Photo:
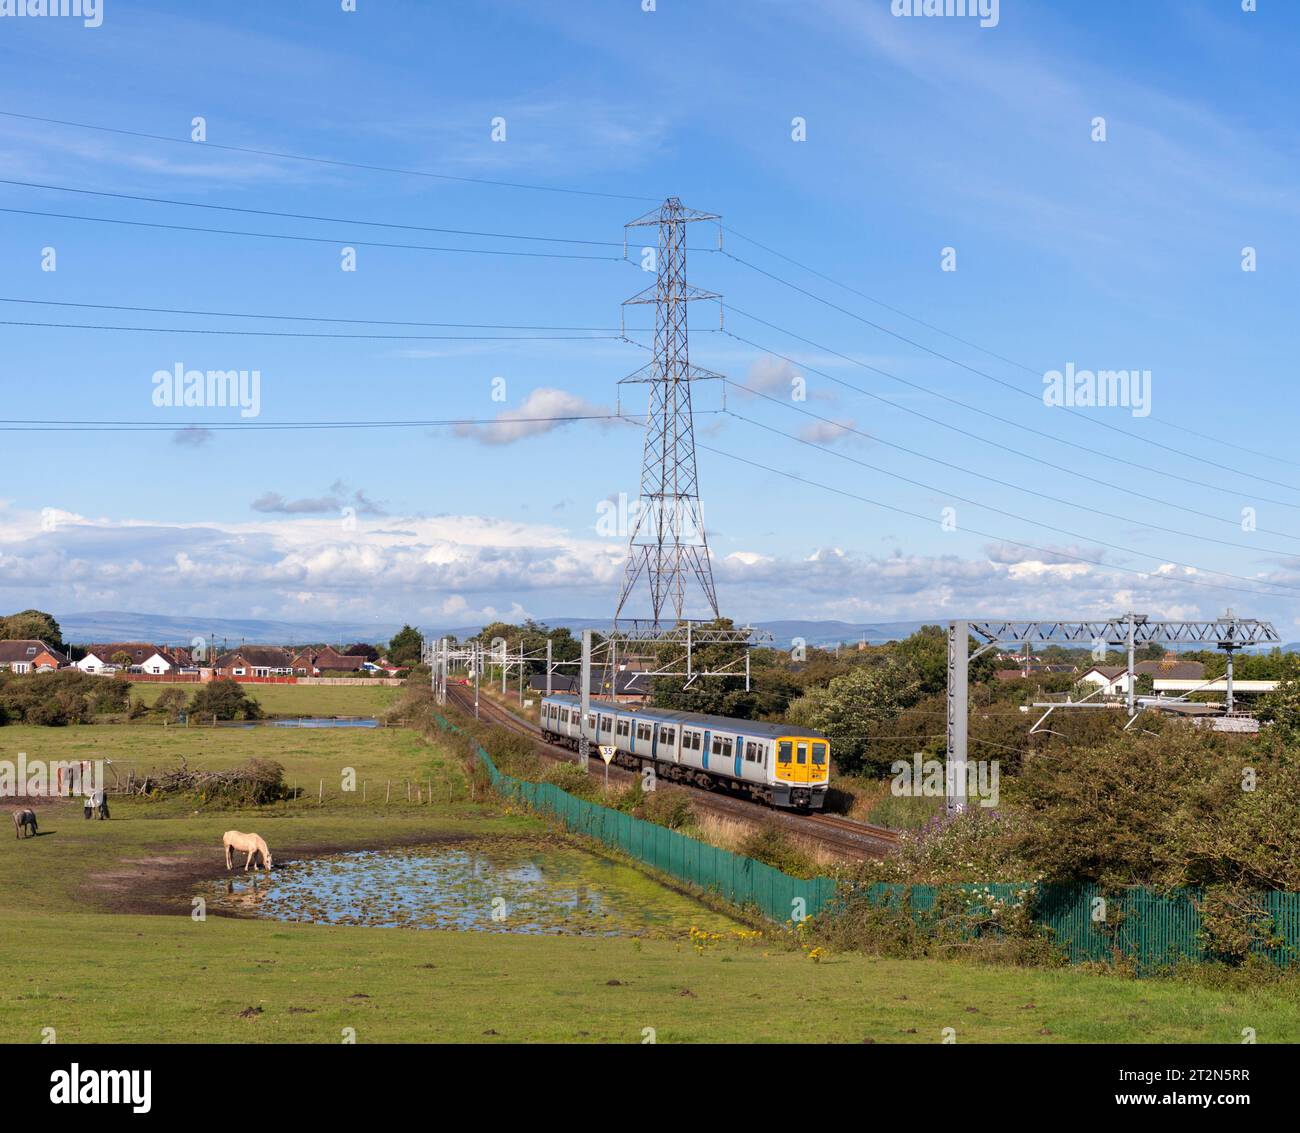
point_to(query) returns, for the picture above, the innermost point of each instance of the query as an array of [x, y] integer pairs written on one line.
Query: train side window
[[623, 726], [818, 754], [666, 736], [783, 751], [801, 754], [751, 753], [606, 723]]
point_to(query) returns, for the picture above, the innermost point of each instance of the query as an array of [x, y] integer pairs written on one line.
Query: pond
[[506, 885]]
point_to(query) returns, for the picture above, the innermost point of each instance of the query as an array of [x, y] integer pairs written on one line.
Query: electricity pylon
[[667, 544]]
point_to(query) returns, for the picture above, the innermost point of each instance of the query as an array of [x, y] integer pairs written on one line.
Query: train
[[779, 764]]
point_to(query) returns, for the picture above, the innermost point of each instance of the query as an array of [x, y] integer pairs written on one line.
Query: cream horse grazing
[[246, 843]]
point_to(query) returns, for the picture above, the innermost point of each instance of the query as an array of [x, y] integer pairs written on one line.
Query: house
[[100, 658], [255, 661], [1113, 679], [323, 662], [30, 656]]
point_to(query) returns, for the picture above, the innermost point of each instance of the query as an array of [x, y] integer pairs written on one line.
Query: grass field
[[97, 938], [298, 700]]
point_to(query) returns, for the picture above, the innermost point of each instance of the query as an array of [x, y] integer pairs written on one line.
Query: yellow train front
[[778, 764]]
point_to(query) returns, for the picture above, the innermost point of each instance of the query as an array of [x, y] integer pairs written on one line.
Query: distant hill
[[165, 629], [114, 625]]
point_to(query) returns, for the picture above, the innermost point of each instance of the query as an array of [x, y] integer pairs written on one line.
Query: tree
[[31, 625], [225, 699], [121, 659], [361, 649], [1281, 707], [170, 704], [406, 646], [853, 706]]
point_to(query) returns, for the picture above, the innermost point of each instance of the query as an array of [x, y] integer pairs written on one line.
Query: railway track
[[841, 835]]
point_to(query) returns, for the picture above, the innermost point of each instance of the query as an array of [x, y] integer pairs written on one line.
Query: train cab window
[[623, 726], [801, 753], [819, 755], [667, 735], [783, 751]]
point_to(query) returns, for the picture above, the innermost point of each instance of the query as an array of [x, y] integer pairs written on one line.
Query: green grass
[[76, 956], [113, 979], [297, 700]]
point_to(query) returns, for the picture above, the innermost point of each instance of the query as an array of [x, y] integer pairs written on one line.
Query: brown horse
[[24, 823], [246, 843]]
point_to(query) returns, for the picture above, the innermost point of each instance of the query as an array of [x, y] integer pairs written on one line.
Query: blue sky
[[921, 134]]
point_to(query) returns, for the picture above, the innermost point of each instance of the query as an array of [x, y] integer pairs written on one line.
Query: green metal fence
[[734, 877], [1149, 928]]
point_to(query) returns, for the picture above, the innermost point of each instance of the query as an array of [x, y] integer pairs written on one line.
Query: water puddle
[[511, 885]]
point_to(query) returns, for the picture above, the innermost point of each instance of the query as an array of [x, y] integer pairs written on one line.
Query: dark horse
[[24, 823]]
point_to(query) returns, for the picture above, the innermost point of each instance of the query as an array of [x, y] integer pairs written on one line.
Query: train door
[[704, 751], [740, 755], [802, 760]]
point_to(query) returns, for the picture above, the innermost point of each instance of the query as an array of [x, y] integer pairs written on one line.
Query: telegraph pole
[[584, 743]]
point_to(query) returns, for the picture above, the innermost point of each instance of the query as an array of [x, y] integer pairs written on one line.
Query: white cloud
[[536, 415]]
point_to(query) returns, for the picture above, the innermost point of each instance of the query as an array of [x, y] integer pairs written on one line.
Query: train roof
[[672, 716]]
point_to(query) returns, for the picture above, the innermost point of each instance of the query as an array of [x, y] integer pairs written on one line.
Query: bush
[[773, 847], [226, 700], [56, 699], [667, 807], [170, 704]]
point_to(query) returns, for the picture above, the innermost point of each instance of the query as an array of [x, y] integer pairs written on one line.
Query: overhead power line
[[987, 441], [335, 241], [301, 318], [339, 162], [947, 494], [309, 216], [39, 425], [1057, 554], [233, 331], [1037, 372], [875, 438], [1007, 420]]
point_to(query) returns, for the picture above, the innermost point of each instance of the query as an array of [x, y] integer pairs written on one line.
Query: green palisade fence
[[1154, 929]]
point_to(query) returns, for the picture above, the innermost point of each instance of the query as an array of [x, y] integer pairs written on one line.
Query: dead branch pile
[[255, 783]]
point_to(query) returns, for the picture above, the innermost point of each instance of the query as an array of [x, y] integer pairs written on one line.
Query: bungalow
[[321, 662], [255, 661], [105, 657], [29, 656]]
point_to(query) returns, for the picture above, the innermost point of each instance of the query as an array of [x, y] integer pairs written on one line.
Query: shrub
[[226, 700]]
